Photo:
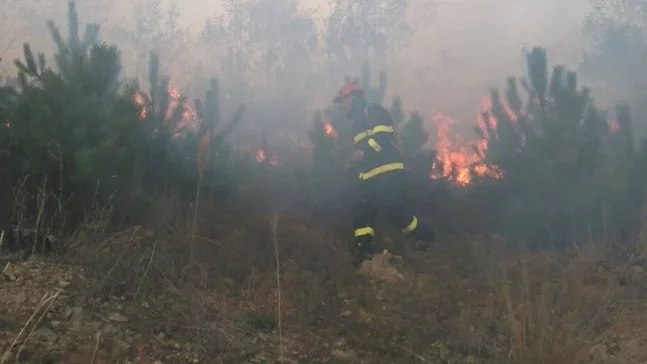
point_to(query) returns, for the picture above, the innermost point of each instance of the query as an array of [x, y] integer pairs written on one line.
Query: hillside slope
[[464, 302]]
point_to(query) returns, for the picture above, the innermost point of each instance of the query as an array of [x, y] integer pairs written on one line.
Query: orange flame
[[189, 115], [487, 105], [261, 158], [189, 118], [457, 159], [330, 130]]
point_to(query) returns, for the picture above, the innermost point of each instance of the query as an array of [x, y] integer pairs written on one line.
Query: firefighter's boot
[[362, 249]]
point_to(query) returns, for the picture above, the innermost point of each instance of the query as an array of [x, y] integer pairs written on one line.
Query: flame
[[614, 126], [330, 130], [261, 158], [454, 157], [457, 159], [487, 105], [139, 99], [189, 118], [189, 115]]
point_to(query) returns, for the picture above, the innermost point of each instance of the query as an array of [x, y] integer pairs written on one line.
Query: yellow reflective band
[[375, 145], [412, 226], [364, 231], [382, 169], [370, 132]]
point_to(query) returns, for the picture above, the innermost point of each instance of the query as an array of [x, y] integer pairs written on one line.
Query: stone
[[45, 334], [117, 317], [76, 318]]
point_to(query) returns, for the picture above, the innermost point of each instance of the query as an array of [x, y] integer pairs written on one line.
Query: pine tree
[[330, 154], [553, 143], [161, 122], [70, 126], [373, 94], [6, 95], [212, 152], [397, 112], [413, 135]]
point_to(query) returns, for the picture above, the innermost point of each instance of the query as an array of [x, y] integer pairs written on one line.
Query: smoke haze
[[456, 54]]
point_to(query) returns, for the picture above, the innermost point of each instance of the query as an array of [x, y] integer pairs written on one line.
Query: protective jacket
[[375, 142]]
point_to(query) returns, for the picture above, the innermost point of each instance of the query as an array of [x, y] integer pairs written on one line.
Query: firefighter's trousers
[[386, 192]]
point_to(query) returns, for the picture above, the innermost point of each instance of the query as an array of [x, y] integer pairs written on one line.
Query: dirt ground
[[124, 299]]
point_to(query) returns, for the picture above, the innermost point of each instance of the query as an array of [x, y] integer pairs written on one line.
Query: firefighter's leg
[[364, 212], [400, 214]]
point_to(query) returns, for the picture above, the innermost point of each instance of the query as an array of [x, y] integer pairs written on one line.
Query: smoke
[[472, 46], [457, 49]]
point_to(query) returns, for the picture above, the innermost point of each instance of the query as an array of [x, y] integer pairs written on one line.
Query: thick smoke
[[457, 49]]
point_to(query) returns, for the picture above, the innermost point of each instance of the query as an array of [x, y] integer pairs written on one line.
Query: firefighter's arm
[[396, 139], [355, 157]]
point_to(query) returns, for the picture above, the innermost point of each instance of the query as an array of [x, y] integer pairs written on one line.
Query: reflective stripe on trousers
[[412, 226], [364, 231]]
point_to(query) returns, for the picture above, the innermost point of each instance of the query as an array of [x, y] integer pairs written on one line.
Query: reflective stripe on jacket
[[374, 138]]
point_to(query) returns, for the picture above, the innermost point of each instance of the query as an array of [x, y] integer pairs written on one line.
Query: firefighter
[[379, 172]]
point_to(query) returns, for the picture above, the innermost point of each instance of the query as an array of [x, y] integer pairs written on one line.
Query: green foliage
[[564, 174], [161, 121], [213, 155], [330, 154], [77, 128], [211, 117], [71, 124], [397, 111], [172, 151], [414, 137], [6, 95]]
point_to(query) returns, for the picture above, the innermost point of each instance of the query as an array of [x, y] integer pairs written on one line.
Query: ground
[[122, 298]]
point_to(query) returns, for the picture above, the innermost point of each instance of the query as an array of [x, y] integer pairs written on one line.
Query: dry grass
[[28, 328], [275, 241], [470, 300], [467, 299]]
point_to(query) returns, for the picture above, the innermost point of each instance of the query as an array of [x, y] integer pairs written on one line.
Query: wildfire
[[457, 159], [330, 130], [486, 105], [262, 155], [189, 116], [261, 158]]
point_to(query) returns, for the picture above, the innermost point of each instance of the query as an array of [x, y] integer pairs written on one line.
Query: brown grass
[[470, 300], [28, 328]]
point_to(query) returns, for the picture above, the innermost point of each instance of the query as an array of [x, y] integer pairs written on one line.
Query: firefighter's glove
[[355, 158]]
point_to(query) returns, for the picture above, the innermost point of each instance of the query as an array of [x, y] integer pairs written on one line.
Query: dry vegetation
[[134, 296], [161, 259]]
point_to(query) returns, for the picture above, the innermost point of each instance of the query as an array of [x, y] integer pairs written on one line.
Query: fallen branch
[[96, 348], [148, 267], [416, 355], [43, 307]]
